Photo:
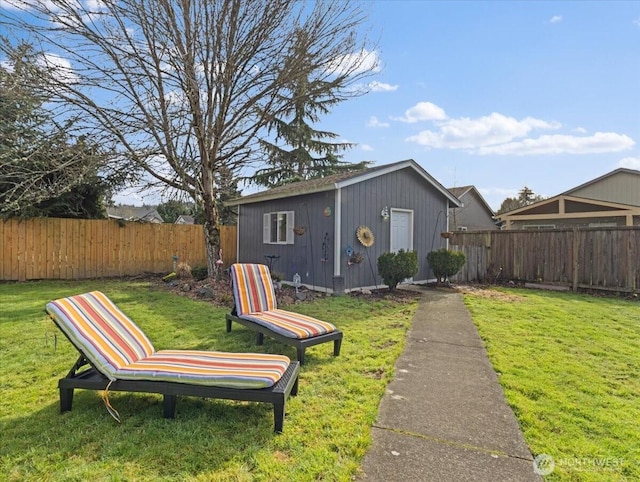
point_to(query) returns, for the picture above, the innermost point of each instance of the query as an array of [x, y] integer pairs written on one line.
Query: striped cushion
[[103, 333], [252, 288], [118, 349], [233, 370], [289, 324]]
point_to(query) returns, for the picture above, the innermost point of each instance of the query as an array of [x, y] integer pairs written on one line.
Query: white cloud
[[366, 147], [598, 143], [357, 63], [382, 87], [637, 21], [60, 68], [630, 162], [374, 122], [555, 19], [422, 111], [497, 134], [472, 134]]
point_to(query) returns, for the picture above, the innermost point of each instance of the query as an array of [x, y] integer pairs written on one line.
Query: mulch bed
[[218, 292]]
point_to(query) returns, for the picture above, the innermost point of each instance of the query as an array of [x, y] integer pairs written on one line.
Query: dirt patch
[[489, 293]]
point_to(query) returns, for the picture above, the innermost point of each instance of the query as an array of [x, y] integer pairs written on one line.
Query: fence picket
[[596, 258], [50, 248]]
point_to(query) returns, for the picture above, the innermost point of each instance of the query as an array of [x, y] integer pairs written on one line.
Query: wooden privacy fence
[[52, 248], [593, 258]]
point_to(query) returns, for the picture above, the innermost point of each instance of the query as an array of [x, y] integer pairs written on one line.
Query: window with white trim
[[603, 225], [539, 226], [277, 227]]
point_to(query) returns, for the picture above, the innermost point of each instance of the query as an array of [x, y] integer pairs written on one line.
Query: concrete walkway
[[444, 416]]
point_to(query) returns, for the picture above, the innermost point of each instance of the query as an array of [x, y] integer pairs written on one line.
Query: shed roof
[[337, 181], [461, 191]]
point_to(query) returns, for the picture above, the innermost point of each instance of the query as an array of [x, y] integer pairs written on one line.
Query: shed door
[[401, 230]]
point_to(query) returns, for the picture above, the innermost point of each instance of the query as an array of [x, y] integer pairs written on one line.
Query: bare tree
[[181, 89]]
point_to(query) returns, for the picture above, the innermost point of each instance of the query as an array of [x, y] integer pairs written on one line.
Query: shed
[[311, 228], [475, 214]]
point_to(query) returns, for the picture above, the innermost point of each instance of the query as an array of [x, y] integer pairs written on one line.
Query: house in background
[[134, 213], [607, 201], [330, 231], [185, 219], [474, 214]]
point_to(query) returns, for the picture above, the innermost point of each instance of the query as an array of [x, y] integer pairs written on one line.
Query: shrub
[[200, 273], [183, 271], [445, 263], [394, 267]]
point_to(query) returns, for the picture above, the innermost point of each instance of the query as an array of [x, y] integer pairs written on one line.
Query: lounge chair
[[121, 358], [256, 308]]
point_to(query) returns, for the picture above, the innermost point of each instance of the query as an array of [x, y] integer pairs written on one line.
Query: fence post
[[575, 259]]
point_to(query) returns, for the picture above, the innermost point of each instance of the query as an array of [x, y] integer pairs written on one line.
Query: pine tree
[[308, 153]]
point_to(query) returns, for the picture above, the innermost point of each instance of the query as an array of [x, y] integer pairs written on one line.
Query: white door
[[401, 230]]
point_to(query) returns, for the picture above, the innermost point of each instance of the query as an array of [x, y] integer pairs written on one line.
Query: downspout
[[238, 236], [447, 226], [337, 232]]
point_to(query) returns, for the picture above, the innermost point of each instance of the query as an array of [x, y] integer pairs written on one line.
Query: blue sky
[[497, 94], [501, 94]]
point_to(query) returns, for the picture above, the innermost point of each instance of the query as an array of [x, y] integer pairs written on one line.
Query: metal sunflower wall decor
[[365, 236]]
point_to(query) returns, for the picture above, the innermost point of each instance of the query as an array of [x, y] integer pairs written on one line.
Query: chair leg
[[169, 406], [228, 326], [300, 352], [66, 399], [294, 388], [260, 338], [278, 416], [336, 346]]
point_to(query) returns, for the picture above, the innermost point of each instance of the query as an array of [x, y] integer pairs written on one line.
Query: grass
[[570, 368], [327, 426]]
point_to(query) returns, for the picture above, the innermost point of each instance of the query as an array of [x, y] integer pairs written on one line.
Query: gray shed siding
[[361, 204], [473, 215], [305, 256]]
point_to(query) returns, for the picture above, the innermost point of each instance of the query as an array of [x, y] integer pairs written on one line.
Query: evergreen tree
[[43, 172], [307, 153], [525, 197], [173, 209]]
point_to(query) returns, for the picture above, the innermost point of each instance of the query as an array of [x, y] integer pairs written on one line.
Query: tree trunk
[[211, 230], [212, 239]]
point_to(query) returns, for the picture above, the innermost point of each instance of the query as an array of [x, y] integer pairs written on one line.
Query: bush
[[183, 271], [445, 263], [394, 267], [200, 273]]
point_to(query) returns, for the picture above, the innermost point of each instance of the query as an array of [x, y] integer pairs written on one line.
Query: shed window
[[277, 228]]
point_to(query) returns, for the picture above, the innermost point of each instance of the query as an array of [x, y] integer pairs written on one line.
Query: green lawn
[[570, 368], [327, 426]]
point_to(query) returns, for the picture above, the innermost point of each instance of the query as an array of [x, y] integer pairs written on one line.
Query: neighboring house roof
[[619, 186], [600, 194], [135, 213], [337, 181], [185, 219], [566, 207], [461, 192]]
